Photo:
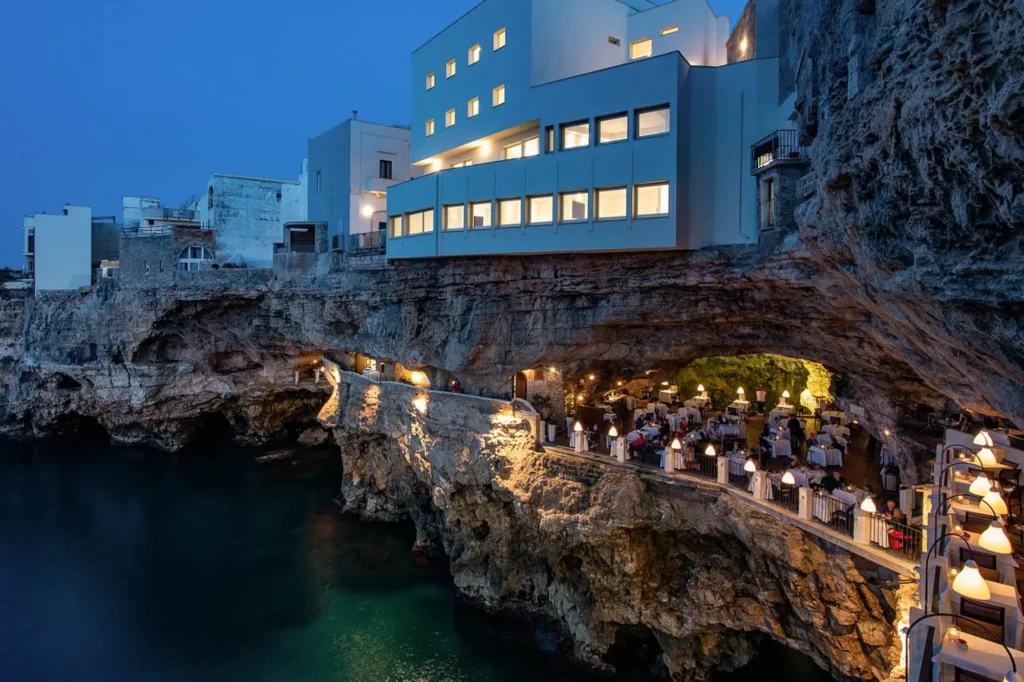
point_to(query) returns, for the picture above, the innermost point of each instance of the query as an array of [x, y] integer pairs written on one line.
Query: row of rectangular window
[[650, 200], [473, 57], [472, 109], [644, 47]]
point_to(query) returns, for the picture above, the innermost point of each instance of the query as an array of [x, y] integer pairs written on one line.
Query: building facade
[[352, 166], [63, 249], [631, 131], [28, 232]]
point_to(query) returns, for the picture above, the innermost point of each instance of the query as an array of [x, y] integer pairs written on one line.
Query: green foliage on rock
[[721, 376]]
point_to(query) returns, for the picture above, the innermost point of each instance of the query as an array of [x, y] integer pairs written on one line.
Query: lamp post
[[578, 430], [1012, 674]]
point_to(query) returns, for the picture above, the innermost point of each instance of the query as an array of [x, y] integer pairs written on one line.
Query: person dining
[[833, 482]]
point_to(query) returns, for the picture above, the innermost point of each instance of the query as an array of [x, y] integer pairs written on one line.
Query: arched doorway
[[519, 386]]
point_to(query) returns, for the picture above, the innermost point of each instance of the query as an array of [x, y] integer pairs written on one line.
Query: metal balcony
[[778, 148]]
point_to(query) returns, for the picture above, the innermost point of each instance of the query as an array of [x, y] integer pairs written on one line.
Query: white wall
[[570, 37], [131, 209], [697, 39], [247, 217], [64, 249]]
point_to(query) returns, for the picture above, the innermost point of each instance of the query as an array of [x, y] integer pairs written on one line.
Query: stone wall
[[247, 216], [151, 258], [745, 27]]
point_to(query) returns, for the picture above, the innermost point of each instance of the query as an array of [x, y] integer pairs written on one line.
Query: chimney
[[355, 114]]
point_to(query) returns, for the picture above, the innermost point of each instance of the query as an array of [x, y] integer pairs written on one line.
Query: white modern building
[[352, 166], [28, 230], [585, 125], [63, 249]]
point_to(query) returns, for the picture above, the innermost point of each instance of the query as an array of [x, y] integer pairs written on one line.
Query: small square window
[[474, 55], [455, 217], [541, 210], [651, 200], [499, 39], [430, 127], [576, 135], [449, 68], [574, 207], [449, 118], [613, 129], [430, 80], [640, 49], [473, 108], [653, 122], [611, 203], [498, 96], [480, 214], [415, 222], [510, 212], [669, 30]]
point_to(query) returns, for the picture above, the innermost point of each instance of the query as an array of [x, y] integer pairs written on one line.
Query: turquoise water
[[127, 565]]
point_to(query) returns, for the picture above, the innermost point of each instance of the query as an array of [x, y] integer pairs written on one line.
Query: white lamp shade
[[980, 486], [994, 539], [785, 394], [995, 500], [664, 383], [613, 432], [750, 467], [969, 583], [987, 458], [788, 479], [676, 445], [710, 452], [740, 390], [983, 438], [700, 388], [868, 505], [578, 427]]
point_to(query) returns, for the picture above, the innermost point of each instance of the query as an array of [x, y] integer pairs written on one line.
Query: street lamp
[[1011, 675]]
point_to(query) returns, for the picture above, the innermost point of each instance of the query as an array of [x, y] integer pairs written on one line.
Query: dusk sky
[[102, 98]]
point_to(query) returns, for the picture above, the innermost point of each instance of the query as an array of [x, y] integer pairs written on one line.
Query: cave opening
[[636, 652], [213, 428]]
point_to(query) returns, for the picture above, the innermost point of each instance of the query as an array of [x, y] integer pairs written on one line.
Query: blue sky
[[101, 98]]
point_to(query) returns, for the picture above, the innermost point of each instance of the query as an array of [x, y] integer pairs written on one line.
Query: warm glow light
[[700, 388], [664, 383], [743, 45], [419, 378], [710, 452], [987, 458], [953, 633], [868, 505], [980, 486], [578, 427], [994, 539], [887, 432], [580, 397], [613, 432], [620, 383], [367, 211], [995, 500], [676, 445], [984, 438], [485, 149], [420, 403], [785, 394], [750, 467], [970, 584], [740, 391], [591, 377], [788, 478]]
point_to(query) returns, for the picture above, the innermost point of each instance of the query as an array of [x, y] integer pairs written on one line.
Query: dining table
[[781, 447], [825, 456]]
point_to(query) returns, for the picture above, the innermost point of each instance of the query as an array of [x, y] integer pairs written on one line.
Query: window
[[574, 207], [498, 96], [611, 203], [531, 147], [455, 217], [613, 129], [189, 260], [430, 81], [614, 41], [473, 108], [669, 30], [519, 150], [474, 55], [462, 164], [449, 118], [542, 209], [576, 135], [510, 212], [430, 127], [385, 169], [549, 139], [449, 68], [499, 39], [513, 151], [420, 222], [396, 226], [480, 214], [278, 197], [639, 49], [653, 122], [770, 203], [651, 200], [317, 188]]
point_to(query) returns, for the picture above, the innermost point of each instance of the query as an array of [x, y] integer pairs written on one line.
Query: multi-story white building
[[63, 249], [585, 125], [352, 166], [28, 230]]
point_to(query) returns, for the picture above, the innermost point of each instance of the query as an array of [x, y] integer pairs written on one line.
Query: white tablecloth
[[836, 430], [690, 413], [781, 448], [825, 456], [666, 396], [698, 401], [741, 405]]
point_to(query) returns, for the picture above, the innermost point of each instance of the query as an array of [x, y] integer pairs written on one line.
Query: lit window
[[396, 226], [651, 200], [549, 139], [574, 207], [430, 80], [498, 96], [542, 209], [428, 220], [430, 127], [473, 108], [449, 69], [474, 55], [454, 217], [499, 39], [510, 212], [640, 49], [576, 135], [611, 203], [530, 147], [513, 151], [669, 30], [420, 222], [462, 164], [653, 122], [612, 129], [449, 118], [480, 214]]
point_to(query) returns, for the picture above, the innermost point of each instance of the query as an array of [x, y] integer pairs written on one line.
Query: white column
[[760, 485], [551, 433], [805, 508], [620, 445], [316, 376], [861, 526], [723, 469], [578, 441], [670, 459]]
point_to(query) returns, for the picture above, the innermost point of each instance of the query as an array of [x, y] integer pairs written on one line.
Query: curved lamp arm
[[928, 556], [955, 617]]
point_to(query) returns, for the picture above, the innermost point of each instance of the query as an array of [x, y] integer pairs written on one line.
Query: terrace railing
[[781, 146], [366, 241], [895, 536], [833, 513], [782, 494]]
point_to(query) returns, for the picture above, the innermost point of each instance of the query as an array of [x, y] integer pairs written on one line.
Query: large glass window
[[430, 80], [396, 226], [474, 55], [542, 209], [530, 147], [510, 212], [480, 214], [611, 203], [449, 68], [574, 207], [651, 200], [576, 135], [612, 129], [449, 118], [640, 49], [455, 217], [498, 96], [420, 222], [653, 122], [473, 108], [499, 39]]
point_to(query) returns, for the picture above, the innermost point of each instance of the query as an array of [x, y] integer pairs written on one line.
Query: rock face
[[607, 553]]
